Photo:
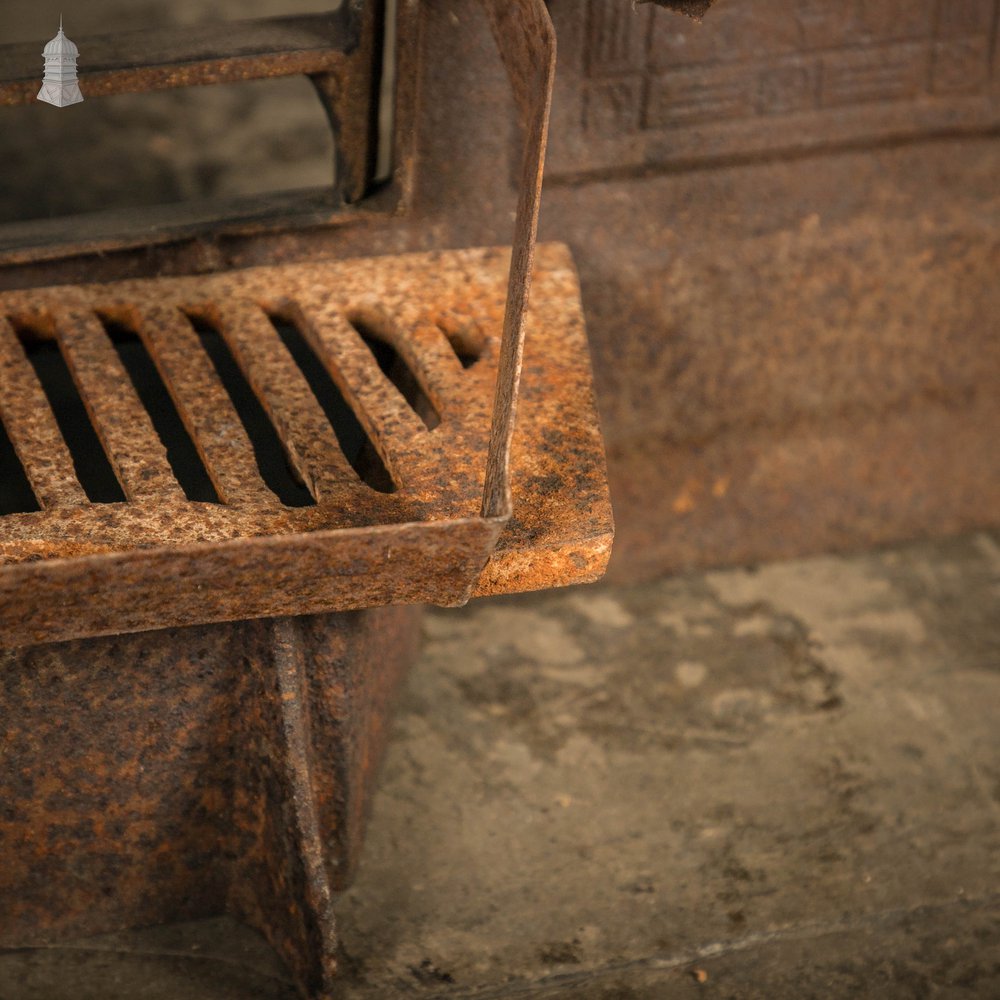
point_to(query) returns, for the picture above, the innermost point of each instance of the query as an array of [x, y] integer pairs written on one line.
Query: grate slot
[[33, 429], [354, 442], [184, 465], [16, 496], [392, 425], [93, 469], [272, 458], [203, 404], [424, 349], [396, 370], [129, 438], [467, 343], [297, 417]]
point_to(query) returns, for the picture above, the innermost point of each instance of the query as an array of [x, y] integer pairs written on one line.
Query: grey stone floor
[[781, 782]]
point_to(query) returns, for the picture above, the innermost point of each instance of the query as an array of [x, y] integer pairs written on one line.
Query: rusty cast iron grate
[[304, 437], [400, 524]]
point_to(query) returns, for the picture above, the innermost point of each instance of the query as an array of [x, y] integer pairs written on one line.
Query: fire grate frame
[[77, 568]]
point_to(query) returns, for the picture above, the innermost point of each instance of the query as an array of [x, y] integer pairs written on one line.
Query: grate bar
[[204, 404], [283, 391], [32, 428], [397, 432], [425, 349], [121, 421]]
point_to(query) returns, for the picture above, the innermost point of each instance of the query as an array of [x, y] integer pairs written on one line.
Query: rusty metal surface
[[527, 45], [124, 567], [562, 527], [155, 774], [226, 767], [76, 568], [794, 335], [642, 91], [790, 304], [349, 94], [804, 242], [183, 773]]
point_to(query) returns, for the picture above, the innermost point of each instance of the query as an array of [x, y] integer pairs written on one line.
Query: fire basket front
[[402, 524]]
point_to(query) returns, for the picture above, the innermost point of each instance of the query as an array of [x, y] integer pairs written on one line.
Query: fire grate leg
[[172, 775]]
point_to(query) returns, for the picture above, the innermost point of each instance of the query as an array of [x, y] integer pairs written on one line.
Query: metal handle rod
[[527, 44]]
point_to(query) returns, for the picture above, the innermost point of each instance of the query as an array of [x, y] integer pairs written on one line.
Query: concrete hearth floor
[[781, 782]]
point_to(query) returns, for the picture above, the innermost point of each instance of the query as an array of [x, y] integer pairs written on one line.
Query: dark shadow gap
[[398, 372], [354, 442], [276, 469], [16, 495], [386, 125], [182, 455], [93, 469], [467, 347]]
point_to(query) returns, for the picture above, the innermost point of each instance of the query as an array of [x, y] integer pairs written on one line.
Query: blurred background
[[159, 148]]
